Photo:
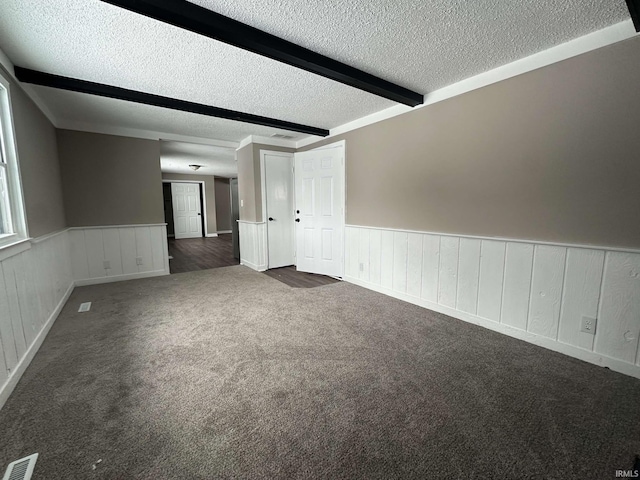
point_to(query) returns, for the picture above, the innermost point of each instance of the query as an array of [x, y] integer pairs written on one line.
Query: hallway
[[192, 254]]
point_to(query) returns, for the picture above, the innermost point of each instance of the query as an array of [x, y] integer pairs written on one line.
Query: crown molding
[[592, 41]]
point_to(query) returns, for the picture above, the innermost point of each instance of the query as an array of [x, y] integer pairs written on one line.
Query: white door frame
[[342, 144], [203, 207], [263, 188]]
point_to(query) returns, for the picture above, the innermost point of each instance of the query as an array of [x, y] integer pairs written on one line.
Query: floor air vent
[[21, 469]]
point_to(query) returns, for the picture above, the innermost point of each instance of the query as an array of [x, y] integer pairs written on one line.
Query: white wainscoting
[[537, 292], [34, 286], [253, 244], [132, 251]]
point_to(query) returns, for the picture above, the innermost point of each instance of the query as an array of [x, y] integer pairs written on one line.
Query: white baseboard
[[220, 232], [119, 278], [211, 235], [13, 380], [570, 350], [253, 266]]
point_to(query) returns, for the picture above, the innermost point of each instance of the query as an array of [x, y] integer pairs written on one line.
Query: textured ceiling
[[175, 157], [422, 45]]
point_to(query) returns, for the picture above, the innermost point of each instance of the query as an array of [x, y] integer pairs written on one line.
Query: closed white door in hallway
[[187, 210]]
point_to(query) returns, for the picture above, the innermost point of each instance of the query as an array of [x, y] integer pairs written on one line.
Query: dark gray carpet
[[228, 373]]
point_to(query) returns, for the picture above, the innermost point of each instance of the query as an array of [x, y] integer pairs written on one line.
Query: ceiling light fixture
[[195, 167]]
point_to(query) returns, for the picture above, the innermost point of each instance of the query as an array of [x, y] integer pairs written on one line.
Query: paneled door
[[187, 211], [278, 209], [320, 194]]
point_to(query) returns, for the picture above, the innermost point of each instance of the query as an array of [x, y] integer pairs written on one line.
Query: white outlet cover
[[588, 325]]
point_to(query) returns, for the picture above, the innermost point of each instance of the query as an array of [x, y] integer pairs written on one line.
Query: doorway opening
[[190, 243]]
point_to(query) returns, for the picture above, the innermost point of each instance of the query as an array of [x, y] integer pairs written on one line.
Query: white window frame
[[18, 222]]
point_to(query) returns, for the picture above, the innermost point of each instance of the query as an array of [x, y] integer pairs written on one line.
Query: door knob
[[271, 219], [199, 214], [297, 219]]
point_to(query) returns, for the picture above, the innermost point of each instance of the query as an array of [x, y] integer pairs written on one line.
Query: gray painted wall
[[551, 155], [110, 180], [210, 195], [39, 166], [223, 204]]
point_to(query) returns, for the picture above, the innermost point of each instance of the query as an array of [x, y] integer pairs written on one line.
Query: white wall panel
[[34, 285], [6, 328], [386, 260], [619, 319], [546, 290], [502, 285], [253, 245], [581, 295], [79, 262], [351, 252], [363, 254], [112, 251], [414, 264], [517, 285], [448, 277], [375, 256], [121, 247], [430, 267], [468, 275], [128, 253], [143, 249], [400, 246], [492, 255]]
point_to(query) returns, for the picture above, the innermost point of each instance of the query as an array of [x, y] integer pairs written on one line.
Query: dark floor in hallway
[[191, 254], [290, 276]]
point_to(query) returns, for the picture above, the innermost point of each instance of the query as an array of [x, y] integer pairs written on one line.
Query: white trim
[[273, 142], [20, 368], [503, 239], [48, 236], [203, 207], [119, 226], [253, 266], [140, 133], [556, 346], [211, 235], [249, 222], [15, 248], [122, 278], [601, 38], [221, 232]]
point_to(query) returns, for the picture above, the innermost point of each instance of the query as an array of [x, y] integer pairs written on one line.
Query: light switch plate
[[588, 325]]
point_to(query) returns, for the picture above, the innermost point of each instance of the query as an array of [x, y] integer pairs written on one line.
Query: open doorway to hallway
[[197, 190]]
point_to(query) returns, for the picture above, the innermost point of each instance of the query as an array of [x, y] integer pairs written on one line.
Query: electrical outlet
[[138, 260], [362, 267], [588, 325], [106, 264]]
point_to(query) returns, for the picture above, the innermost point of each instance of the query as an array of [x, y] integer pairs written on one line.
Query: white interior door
[[319, 181], [278, 208], [187, 211]]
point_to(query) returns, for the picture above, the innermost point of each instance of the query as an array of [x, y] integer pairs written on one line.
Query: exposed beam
[[214, 25], [65, 83], [634, 10]]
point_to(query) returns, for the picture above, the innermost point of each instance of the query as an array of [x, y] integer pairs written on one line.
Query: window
[[12, 219]]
